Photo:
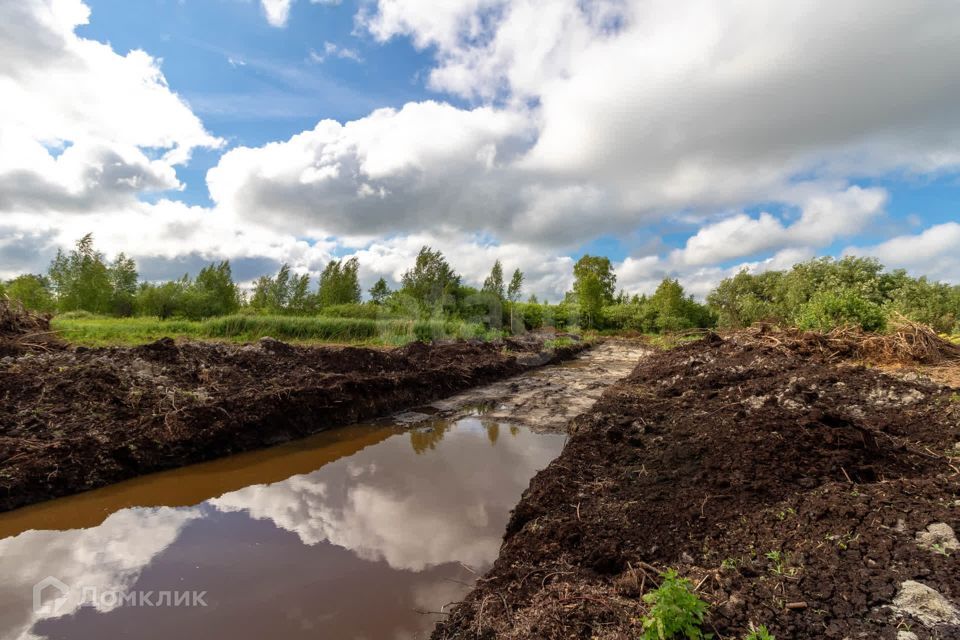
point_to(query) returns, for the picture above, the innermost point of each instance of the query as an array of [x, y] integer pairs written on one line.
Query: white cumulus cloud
[[934, 252], [82, 126], [554, 122]]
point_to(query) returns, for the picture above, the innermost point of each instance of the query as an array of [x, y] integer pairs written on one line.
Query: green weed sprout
[[677, 611], [759, 633]]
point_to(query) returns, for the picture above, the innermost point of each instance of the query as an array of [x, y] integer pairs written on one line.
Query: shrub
[[424, 331], [829, 309], [632, 317], [825, 292], [677, 611], [531, 313]]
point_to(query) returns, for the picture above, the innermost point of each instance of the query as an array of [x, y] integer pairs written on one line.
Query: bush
[[823, 293], [424, 331], [676, 612], [531, 314], [828, 309], [33, 292], [565, 315], [629, 317]]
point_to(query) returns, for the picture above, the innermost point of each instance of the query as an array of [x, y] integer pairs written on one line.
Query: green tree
[[123, 281], [747, 298], [431, 282], [493, 284], [340, 283], [513, 292], [260, 298], [593, 285], [161, 300], [932, 303], [213, 293], [271, 294], [380, 291], [300, 299], [675, 311], [81, 279], [32, 291], [863, 276], [824, 292], [828, 309], [280, 288]]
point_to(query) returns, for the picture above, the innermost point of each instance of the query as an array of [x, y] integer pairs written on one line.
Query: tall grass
[[291, 328], [103, 331]]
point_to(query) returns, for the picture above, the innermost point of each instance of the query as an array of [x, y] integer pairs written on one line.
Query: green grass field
[[95, 331]]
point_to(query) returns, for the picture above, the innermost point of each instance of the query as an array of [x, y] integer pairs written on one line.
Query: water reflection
[[108, 557], [366, 546], [423, 439], [375, 505]]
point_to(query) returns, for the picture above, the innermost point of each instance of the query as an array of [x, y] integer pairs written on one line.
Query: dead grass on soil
[[21, 329], [910, 343]]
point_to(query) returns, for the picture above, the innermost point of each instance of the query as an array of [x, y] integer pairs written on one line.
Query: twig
[[846, 475]]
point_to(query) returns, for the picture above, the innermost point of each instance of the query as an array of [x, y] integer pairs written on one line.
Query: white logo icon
[[51, 607]]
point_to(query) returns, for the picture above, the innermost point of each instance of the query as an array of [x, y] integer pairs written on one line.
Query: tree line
[[83, 280], [824, 293], [817, 294]]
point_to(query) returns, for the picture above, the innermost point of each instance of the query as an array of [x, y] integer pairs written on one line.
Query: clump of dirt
[[22, 330], [789, 486], [75, 419]]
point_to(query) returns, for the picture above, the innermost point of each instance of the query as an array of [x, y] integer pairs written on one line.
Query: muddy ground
[[73, 419], [795, 490], [543, 400]]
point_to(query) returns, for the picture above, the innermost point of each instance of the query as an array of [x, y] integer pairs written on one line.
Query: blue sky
[[252, 83], [690, 141]]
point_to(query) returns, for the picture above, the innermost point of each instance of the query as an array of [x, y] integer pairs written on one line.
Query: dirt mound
[[787, 486], [22, 330], [76, 419], [908, 343]]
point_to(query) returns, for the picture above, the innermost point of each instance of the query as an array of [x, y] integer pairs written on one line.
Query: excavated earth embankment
[[814, 496], [74, 418]]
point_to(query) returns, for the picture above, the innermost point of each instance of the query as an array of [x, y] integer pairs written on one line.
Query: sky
[[687, 140]]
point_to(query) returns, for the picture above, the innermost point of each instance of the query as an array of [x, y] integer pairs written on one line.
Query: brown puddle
[[362, 532]]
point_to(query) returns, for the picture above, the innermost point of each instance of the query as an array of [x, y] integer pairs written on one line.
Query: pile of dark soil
[[74, 419], [792, 489]]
